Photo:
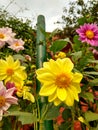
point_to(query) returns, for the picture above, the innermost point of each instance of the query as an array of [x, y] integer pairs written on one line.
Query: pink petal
[[6, 106], [10, 91], [1, 113], [12, 100]]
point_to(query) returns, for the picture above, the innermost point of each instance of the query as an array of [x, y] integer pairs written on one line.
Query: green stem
[[73, 117], [1, 125], [45, 112], [41, 125]]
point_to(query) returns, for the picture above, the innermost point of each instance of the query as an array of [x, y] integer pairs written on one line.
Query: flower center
[[63, 80], [1, 36], [16, 44], [2, 101], [10, 72], [89, 34]]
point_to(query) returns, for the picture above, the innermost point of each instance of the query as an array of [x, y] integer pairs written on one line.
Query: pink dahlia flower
[[16, 45], [89, 33], [6, 98]]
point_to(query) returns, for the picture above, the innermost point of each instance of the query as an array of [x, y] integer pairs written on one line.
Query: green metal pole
[[40, 44], [41, 57]]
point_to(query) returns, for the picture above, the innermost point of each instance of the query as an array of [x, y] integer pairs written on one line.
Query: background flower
[[16, 45], [6, 98], [88, 33], [12, 71], [24, 91], [6, 35]]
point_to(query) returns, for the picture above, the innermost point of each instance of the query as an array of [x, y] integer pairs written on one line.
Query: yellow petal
[[2, 77], [3, 63], [57, 102], [41, 70], [10, 60], [7, 79], [16, 64], [19, 94], [20, 75], [29, 97], [77, 86], [65, 64], [61, 93], [52, 66], [74, 92], [47, 90], [17, 81], [46, 77], [52, 97], [81, 119], [69, 99], [77, 77]]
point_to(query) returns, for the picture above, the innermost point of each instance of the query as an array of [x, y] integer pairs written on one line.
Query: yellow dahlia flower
[[24, 91], [59, 83], [12, 71], [60, 55]]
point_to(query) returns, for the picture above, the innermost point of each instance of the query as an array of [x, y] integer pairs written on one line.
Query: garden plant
[[48, 81]]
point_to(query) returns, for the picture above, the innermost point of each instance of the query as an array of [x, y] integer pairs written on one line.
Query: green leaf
[[92, 61], [51, 111], [76, 55], [66, 114], [27, 119], [94, 82], [59, 45], [91, 73], [14, 108], [90, 116], [77, 43], [82, 20], [19, 57], [94, 128], [89, 96], [7, 124], [24, 117]]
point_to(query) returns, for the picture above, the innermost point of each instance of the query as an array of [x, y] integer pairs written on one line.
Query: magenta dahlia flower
[[88, 33], [6, 98]]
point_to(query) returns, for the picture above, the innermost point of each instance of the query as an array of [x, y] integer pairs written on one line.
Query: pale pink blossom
[[6, 98], [6, 34], [17, 45]]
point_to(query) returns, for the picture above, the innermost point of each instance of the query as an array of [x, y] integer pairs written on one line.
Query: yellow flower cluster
[[60, 55], [24, 92], [12, 71]]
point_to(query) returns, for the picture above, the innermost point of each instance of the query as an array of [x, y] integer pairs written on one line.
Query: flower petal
[[29, 97], [52, 97], [69, 99], [57, 102], [74, 92], [1, 113], [77, 77], [61, 93], [47, 90]]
